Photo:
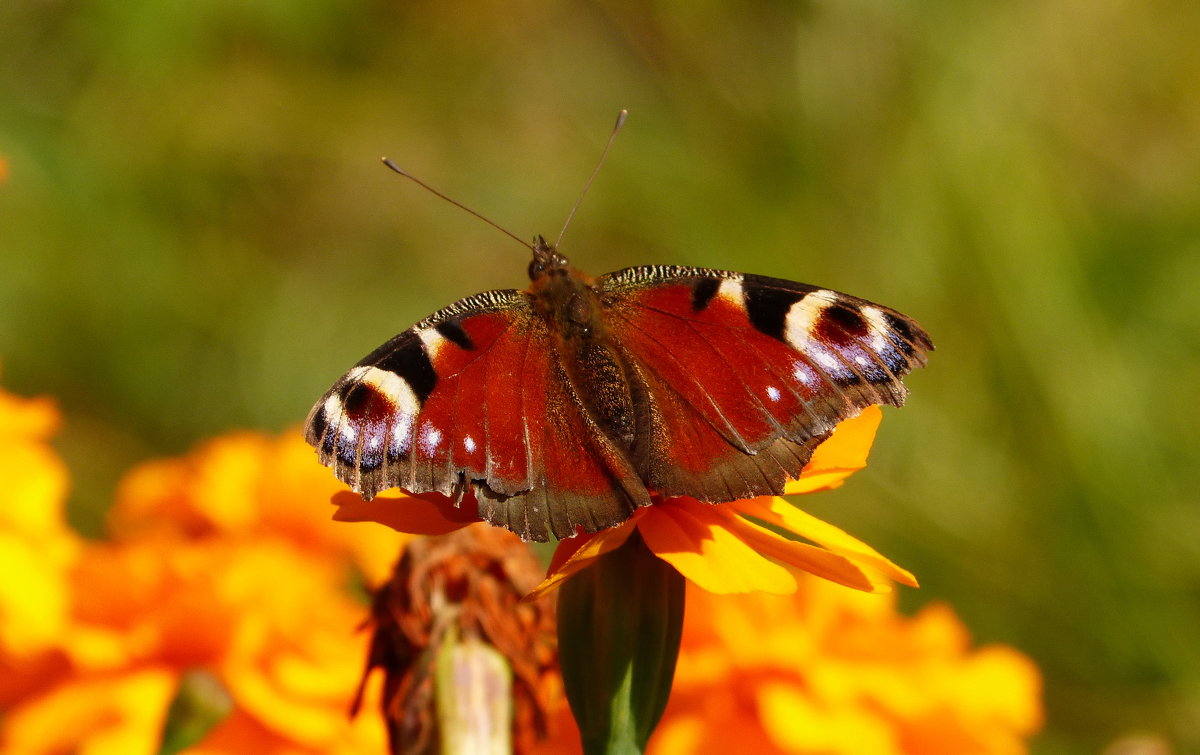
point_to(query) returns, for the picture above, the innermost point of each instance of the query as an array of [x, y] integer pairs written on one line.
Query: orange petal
[[425, 514], [575, 553], [693, 537], [117, 712], [841, 455], [779, 512]]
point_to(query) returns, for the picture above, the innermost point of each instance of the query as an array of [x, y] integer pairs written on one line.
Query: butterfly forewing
[[393, 419], [744, 375]]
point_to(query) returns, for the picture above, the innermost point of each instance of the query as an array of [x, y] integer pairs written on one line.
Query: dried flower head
[[466, 584]]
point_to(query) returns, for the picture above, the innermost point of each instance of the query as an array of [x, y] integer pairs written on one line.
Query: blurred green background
[[196, 235]]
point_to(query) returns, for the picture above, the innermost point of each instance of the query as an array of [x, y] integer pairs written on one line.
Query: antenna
[[621, 116], [459, 205]]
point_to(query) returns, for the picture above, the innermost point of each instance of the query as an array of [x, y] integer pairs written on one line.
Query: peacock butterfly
[[564, 405]]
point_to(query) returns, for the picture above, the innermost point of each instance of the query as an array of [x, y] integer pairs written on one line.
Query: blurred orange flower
[[245, 486], [828, 671], [718, 547], [833, 671], [35, 543], [224, 560]]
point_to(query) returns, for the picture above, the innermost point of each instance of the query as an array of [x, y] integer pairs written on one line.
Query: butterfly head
[[546, 262]]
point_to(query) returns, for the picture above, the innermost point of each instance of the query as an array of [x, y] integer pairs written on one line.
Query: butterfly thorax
[[566, 299]]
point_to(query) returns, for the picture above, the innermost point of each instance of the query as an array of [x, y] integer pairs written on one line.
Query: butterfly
[[566, 405]]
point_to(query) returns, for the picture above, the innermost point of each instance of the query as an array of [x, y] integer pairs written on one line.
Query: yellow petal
[[841, 455], [779, 512], [817, 561], [575, 553], [693, 538], [35, 599]]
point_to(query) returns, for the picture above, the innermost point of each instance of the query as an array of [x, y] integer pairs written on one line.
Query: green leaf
[[201, 702]]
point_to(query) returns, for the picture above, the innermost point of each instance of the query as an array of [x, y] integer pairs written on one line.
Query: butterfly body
[[565, 405]]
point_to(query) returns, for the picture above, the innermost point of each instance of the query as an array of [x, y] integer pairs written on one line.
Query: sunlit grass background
[[196, 235]]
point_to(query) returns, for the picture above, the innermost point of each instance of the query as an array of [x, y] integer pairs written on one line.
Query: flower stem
[[619, 624], [474, 698]]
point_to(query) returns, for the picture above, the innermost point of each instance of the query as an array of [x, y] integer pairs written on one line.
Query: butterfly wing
[[472, 403], [740, 377]]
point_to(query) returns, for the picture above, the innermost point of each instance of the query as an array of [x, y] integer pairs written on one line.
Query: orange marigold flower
[[275, 625], [244, 485], [121, 713], [221, 561], [718, 547], [832, 671], [829, 671]]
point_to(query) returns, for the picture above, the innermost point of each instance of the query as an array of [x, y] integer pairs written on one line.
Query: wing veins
[[825, 377], [524, 415], [487, 426], [733, 368], [482, 352], [452, 435], [691, 321], [741, 441], [787, 383]]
